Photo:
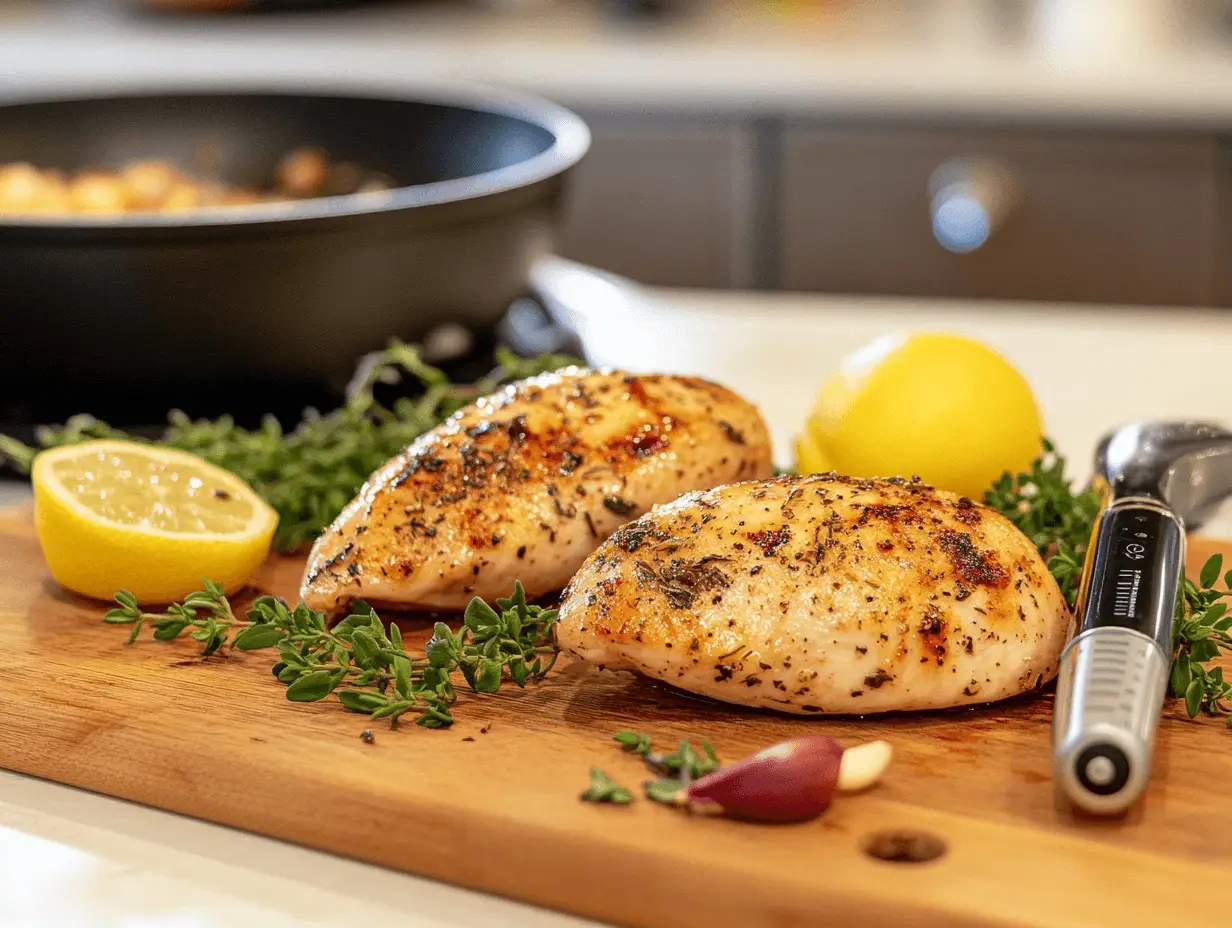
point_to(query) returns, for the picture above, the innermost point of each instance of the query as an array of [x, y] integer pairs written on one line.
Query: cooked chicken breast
[[525, 483], [822, 594]]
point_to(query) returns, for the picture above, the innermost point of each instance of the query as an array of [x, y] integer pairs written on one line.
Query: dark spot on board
[[904, 847]]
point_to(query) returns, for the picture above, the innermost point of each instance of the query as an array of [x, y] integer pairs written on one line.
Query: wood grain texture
[[492, 803]]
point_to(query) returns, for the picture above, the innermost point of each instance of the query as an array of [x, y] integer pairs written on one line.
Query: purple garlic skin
[[792, 781]]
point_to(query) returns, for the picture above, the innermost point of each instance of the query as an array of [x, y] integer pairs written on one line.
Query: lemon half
[[114, 515]]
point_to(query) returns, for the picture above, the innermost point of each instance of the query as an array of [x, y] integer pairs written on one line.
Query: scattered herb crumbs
[[635, 741], [665, 791], [604, 789]]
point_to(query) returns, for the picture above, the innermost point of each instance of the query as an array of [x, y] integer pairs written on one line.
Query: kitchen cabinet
[[1222, 248], [664, 201], [1102, 217], [1093, 218]]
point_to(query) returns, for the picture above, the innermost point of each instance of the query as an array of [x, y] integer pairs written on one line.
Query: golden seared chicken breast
[[822, 594], [523, 484]]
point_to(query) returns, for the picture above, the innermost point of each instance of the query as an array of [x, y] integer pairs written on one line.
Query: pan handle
[[529, 329]]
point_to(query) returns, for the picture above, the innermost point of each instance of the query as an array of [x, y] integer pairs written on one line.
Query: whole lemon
[[943, 406]]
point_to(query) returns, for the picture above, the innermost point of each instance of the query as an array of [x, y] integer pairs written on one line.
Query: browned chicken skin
[[822, 594], [524, 484]]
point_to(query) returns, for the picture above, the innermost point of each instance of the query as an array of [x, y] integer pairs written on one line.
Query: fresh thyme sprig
[[697, 763], [1200, 634], [1059, 521], [311, 472], [211, 629], [361, 659], [675, 771]]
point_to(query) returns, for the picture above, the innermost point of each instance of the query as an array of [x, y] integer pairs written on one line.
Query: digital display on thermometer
[[1135, 568]]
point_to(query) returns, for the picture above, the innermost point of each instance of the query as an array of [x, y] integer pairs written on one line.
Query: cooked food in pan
[[159, 186]]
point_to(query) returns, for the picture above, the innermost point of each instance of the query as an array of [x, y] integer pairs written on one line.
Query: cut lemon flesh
[[116, 515]]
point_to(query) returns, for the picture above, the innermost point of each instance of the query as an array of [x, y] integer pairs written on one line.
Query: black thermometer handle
[[1133, 571], [1114, 673]]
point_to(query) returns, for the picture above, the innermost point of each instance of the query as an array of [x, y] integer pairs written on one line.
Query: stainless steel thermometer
[[1155, 478]]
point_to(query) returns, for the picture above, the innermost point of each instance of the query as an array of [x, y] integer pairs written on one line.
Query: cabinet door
[[1098, 218], [661, 201]]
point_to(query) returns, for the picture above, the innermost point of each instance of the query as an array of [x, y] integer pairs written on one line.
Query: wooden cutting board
[[493, 802]]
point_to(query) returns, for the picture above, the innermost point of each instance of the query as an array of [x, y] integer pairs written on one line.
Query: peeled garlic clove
[[787, 782], [863, 765]]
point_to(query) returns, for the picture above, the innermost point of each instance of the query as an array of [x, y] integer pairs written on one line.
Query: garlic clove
[[788, 782], [863, 765]]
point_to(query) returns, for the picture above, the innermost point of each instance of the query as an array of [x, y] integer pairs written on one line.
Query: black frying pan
[[167, 304]]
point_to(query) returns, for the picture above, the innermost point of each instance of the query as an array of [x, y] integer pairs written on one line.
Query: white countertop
[[72, 858], [1138, 62]]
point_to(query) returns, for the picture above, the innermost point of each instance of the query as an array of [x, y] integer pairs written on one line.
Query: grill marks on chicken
[[525, 483], [822, 594]]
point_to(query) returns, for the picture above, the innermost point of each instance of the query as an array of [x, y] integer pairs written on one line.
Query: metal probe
[[1155, 479]]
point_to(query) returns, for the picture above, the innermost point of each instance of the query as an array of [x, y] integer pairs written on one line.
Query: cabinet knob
[[969, 200]]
